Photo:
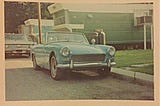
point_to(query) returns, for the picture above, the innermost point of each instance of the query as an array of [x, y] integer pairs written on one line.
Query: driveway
[[24, 83]]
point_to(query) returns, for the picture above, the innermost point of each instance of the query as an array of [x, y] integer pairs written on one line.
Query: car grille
[[88, 58]]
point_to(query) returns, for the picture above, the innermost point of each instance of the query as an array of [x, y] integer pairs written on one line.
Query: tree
[[17, 12]]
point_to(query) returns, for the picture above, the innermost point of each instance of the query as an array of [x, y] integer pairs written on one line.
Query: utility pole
[[39, 23], [144, 29]]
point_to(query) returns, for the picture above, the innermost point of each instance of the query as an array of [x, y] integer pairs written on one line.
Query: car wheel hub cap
[[53, 67]]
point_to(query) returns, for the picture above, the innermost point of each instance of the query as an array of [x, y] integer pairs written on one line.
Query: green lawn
[[146, 69], [127, 58]]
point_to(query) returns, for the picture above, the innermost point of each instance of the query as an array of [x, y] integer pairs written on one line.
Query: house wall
[[119, 27], [28, 30], [138, 33], [44, 30]]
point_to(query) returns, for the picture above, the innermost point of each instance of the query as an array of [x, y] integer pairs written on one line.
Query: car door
[[39, 53], [45, 56]]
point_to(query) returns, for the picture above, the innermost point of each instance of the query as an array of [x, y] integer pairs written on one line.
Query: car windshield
[[66, 37]]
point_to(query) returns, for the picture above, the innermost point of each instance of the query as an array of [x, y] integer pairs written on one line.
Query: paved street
[[24, 83]]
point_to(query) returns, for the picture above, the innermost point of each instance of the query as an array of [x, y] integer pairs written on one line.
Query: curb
[[133, 75]]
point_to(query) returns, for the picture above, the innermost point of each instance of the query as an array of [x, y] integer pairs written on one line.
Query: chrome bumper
[[76, 65]]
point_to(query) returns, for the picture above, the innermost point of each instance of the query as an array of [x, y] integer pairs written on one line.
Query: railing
[[144, 19]]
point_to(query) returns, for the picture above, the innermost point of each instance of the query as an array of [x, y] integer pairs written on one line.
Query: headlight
[[112, 51], [6, 46], [65, 51]]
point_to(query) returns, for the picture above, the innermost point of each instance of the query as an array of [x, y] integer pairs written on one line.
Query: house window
[[59, 17], [60, 20]]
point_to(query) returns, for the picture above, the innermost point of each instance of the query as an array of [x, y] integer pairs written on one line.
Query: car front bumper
[[73, 65], [17, 52]]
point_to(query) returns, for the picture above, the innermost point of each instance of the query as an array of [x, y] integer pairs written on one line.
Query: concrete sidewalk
[[134, 75]]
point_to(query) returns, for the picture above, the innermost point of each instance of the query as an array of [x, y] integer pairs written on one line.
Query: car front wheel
[[55, 72]]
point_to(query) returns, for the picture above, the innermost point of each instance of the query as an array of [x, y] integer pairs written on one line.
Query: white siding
[[35, 22]]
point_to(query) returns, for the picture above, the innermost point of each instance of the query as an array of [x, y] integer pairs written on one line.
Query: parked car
[[64, 51], [17, 45]]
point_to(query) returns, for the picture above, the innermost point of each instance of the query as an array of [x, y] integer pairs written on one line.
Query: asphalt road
[[24, 83]]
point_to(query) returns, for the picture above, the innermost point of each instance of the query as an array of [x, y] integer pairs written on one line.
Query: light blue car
[[64, 51]]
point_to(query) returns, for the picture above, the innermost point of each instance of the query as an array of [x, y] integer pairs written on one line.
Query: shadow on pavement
[[79, 75]]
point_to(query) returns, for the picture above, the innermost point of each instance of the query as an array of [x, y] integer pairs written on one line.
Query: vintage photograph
[[79, 51]]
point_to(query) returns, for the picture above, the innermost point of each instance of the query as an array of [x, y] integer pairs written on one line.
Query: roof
[[99, 7], [44, 22]]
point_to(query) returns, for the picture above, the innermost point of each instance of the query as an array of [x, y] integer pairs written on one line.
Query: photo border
[[156, 100]]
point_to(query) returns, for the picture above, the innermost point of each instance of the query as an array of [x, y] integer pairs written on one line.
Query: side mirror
[[93, 41]]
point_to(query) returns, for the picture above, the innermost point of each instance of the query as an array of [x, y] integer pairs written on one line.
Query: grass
[[146, 69], [127, 58]]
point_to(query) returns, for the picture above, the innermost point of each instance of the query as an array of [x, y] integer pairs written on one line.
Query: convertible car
[[71, 51]]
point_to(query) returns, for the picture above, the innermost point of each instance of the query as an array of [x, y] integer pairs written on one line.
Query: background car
[[64, 51], [17, 45]]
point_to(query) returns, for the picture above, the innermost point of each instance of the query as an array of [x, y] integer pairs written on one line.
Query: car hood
[[77, 48], [19, 42]]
